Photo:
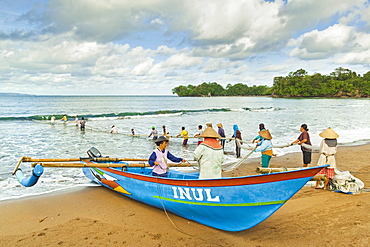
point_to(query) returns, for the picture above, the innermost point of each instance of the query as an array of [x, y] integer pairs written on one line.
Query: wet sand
[[95, 216]]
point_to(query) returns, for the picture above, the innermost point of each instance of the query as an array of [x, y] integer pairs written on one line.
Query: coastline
[[97, 216]]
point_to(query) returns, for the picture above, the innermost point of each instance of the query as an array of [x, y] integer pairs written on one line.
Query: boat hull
[[230, 204]]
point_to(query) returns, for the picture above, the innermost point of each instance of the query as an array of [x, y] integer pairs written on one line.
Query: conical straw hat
[[210, 132], [265, 134], [219, 125], [329, 134]]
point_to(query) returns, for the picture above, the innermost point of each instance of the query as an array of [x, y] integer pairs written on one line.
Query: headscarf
[[331, 142], [235, 128], [212, 142]]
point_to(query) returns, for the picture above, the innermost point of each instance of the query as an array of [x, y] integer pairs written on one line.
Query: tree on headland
[[215, 89], [340, 83], [204, 89]]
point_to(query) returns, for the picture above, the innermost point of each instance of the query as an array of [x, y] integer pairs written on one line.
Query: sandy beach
[[95, 216]]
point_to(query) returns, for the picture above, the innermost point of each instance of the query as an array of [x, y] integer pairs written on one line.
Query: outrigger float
[[228, 203]]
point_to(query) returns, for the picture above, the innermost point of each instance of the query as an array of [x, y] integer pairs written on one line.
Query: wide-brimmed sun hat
[[210, 132], [265, 134], [161, 139], [329, 134]]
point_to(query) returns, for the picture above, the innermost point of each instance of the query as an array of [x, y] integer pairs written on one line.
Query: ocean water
[[27, 131]]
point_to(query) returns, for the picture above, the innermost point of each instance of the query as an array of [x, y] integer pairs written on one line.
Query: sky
[[149, 47]]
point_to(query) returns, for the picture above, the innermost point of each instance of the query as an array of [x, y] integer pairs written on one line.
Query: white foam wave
[[153, 116]]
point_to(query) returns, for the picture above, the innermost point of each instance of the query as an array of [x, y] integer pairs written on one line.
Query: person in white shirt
[[200, 139], [113, 130], [210, 155]]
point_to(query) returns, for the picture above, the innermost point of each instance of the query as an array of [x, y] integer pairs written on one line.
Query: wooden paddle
[[102, 165]]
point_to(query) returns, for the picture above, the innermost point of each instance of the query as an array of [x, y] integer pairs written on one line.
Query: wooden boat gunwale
[[224, 181]]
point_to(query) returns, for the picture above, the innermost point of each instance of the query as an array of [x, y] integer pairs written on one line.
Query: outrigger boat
[[228, 203]]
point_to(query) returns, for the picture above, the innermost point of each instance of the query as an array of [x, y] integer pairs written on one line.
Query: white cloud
[[321, 44], [121, 45], [302, 14], [182, 61], [164, 50], [144, 67], [219, 64], [359, 52], [355, 58]]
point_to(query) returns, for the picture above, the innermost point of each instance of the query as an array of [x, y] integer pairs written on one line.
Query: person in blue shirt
[[158, 159], [264, 145]]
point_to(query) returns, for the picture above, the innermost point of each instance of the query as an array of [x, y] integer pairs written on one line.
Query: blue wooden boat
[[230, 204]]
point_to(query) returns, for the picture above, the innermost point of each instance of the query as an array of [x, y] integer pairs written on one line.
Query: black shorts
[[160, 175], [306, 157]]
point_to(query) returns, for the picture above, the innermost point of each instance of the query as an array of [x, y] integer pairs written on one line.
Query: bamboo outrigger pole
[[18, 164], [107, 159], [103, 165], [265, 170], [29, 159]]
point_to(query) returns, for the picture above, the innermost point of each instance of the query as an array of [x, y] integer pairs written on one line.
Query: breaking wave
[[128, 115]]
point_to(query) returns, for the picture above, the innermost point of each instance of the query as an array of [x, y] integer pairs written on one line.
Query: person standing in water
[[166, 133], [64, 118], [221, 132], [184, 133], [76, 120], [153, 133], [200, 139], [113, 130], [304, 137], [82, 123], [164, 130], [238, 137]]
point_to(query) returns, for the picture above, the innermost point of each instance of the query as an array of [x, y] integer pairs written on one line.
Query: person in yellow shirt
[[64, 118], [184, 134]]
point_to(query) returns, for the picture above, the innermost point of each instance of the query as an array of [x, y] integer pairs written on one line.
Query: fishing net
[[310, 147], [345, 182], [246, 146]]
